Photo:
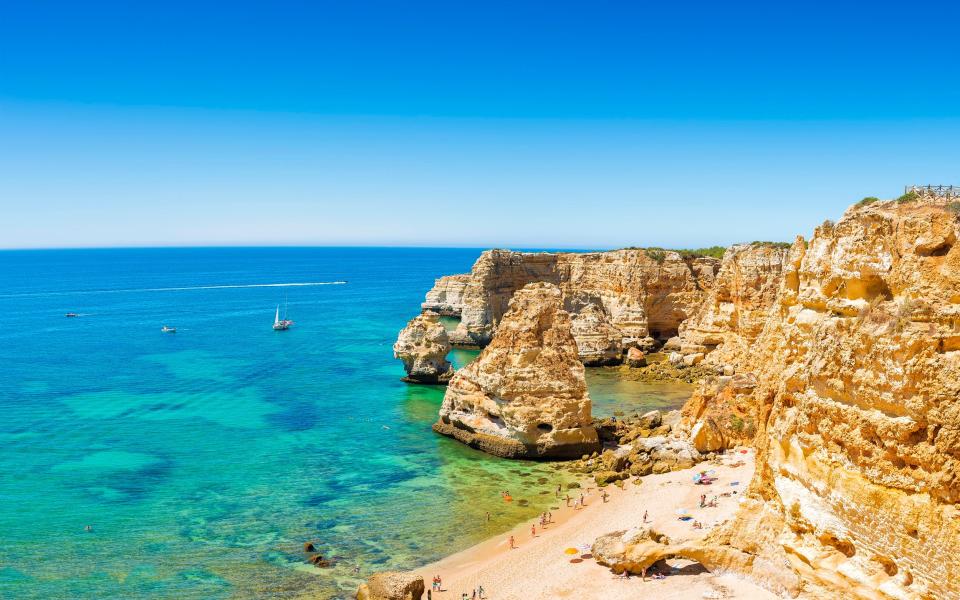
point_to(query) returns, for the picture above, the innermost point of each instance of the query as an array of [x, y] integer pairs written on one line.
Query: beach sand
[[539, 567]]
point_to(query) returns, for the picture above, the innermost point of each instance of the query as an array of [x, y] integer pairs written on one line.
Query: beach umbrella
[[697, 478], [681, 511], [585, 547], [571, 551]]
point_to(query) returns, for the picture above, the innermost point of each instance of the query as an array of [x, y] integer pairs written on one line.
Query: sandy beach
[[539, 567]]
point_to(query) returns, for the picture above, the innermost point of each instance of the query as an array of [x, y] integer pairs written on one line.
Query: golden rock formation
[[525, 396], [853, 387], [423, 346], [635, 295]]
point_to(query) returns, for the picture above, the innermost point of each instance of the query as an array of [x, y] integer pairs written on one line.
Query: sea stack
[[525, 396], [423, 346]]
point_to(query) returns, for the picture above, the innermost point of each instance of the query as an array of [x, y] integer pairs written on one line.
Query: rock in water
[[525, 396], [423, 346], [392, 585]]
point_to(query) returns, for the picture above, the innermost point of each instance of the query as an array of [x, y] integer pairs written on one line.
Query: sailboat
[[284, 323]]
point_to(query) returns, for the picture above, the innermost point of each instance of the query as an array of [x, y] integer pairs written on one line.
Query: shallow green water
[[203, 460]]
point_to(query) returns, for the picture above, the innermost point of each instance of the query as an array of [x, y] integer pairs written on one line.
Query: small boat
[[166, 329], [72, 315], [284, 323]]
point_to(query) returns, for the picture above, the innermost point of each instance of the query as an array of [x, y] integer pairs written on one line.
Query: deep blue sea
[[202, 460]]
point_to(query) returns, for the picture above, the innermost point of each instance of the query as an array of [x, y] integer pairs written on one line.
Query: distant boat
[[72, 315], [166, 329], [284, 323]]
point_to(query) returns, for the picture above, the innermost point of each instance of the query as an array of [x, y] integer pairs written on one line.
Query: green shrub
[[908, 197], [868, 200], [658, 255], [736, 423], [781, 245], [712, 252]]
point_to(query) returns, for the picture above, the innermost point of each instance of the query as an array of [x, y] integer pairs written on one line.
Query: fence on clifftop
[[934, 191]]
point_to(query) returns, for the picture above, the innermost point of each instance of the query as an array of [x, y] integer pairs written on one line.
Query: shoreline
[[539, 568]]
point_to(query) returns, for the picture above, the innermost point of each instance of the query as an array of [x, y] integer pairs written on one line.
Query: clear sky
[[525, 124]]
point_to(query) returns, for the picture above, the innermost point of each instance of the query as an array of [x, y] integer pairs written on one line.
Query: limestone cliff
[[853, 387], [423, 346], [525, 395], [633, 293], [737, 305]]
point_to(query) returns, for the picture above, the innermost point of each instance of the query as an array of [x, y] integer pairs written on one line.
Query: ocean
[[196, 464]]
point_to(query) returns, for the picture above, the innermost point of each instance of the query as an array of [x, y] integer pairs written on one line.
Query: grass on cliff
[[908, 197], [867, 201], [780, 245], [954, 207], [660, 254]]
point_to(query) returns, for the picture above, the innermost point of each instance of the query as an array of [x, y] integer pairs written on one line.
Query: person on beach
[[605, 495], [568, 500], [559, 487], [480, 591], [582, 502], [549, 517], [488, 517], [703, 500], [645, 513], [429, 594], [533, 531], [512, 544]]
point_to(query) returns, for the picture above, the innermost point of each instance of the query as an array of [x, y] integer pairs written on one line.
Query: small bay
[[202, 460]]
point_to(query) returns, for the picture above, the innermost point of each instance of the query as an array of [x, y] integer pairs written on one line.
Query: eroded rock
[[423, 346], [525, 396], [392, 585]]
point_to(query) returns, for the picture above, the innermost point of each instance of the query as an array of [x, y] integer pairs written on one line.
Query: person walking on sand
[[582, 503], [512, 544], [645, 513], [549, 517], [480, 591], [568, 500], [533, 531], [429, 594]]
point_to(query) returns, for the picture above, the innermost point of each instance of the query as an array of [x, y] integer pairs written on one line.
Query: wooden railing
[[934, 191]]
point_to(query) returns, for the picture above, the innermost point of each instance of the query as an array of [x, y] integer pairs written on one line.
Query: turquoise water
[[204, 459]]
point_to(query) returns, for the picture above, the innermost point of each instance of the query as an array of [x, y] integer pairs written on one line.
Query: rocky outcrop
[[641, 445], [636, 292], [854, 384], [598, 342], [423, 346], [636, 550], [446, 296], [392, 585], [525, 395], [737, 305]]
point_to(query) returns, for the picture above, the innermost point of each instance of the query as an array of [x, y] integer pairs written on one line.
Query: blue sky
[[559, 124]]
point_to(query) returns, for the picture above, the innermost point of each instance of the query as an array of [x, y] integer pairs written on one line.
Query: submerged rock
[[525, 396], [392, 585], [423, 346]]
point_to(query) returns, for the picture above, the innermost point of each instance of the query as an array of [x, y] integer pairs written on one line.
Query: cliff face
[[423, 346], [525, 396], [627, 290], [854, 388], [736, 308]]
